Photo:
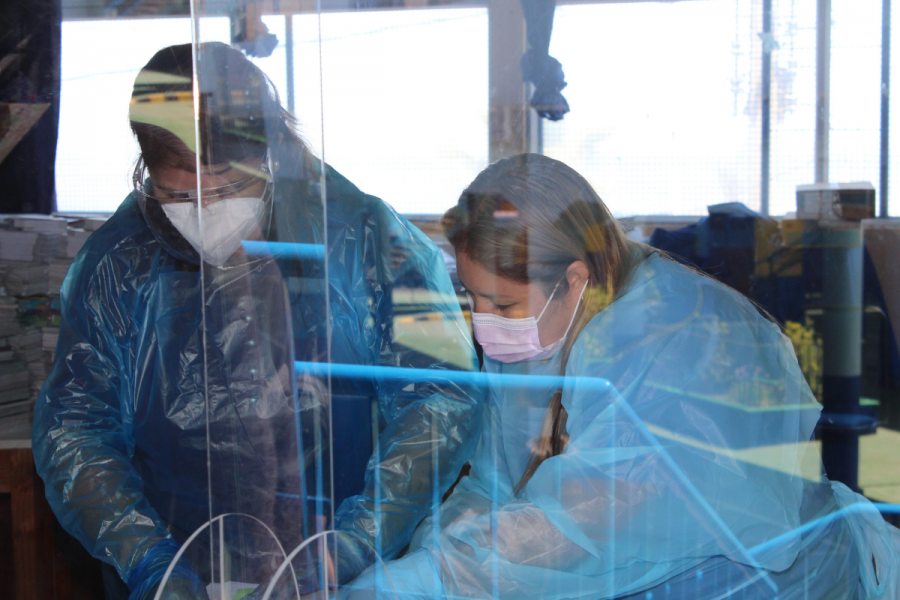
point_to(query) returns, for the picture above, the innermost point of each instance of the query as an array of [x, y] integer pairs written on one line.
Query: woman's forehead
[[478, 279]]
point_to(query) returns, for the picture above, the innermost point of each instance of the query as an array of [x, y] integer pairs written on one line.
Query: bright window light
[[406, 101], [408, 126], [96, 151], [666, 101], [656, 124]]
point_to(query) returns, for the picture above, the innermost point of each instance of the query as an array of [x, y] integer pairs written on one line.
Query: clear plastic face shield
[[237, 209], [249, 185]]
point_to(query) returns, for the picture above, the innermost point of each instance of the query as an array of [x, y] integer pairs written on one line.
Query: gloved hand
[[347, 555], [145, 579]]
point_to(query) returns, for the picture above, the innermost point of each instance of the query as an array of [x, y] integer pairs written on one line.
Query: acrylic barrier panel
[[299, 270], [405, 419], [636, 428], [173, 398], [266, 383], [249, 219]]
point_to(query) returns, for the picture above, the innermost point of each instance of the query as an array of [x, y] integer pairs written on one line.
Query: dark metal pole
[[885, 105], [842, 423], [766, 107]]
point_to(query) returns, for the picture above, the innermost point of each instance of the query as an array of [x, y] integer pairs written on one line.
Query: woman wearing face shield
[[646, 428], [176, 394]]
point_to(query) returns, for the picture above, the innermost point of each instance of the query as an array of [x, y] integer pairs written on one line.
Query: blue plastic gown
[[120, 432], [685, 474]]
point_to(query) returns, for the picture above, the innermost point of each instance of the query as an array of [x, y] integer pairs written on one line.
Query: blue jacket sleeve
[[81, 437], [484, 550], [429, 429]]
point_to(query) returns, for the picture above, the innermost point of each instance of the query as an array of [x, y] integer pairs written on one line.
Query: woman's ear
[[577, 274]]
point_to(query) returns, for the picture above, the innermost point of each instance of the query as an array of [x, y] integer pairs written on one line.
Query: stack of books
[[33, 238], [17, 245], [75, 240], [9, 322], [36, 252], [39, 315], [17, 395], [56, 273], [15, 391], [25, 278], [28, 345], [52, 225]]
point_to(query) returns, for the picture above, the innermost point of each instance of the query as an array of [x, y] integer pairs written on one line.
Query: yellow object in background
[[230, 590]]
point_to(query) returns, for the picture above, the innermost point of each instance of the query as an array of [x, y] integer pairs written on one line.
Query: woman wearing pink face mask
[[647, 470]]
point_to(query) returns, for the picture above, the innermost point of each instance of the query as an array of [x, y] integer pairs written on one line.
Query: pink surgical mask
[[516, 340]]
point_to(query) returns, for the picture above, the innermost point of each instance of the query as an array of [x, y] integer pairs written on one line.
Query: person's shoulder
[[664, 298], [352, 204], [684, 291], [302, 179], [347, 200], [120, 241]]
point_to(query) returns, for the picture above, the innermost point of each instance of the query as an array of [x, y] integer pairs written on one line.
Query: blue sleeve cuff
[[150, 570], [413, 577]]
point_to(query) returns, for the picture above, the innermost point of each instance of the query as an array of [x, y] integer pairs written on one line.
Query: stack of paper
[[38, 371], [87, 223], [33, 350], [17, 245], [57, 273], [15, 391], [75, 240], [9, 324], [26, 279], [48, 246], [28, 345], [51, 235], [36, 252], [40, 224], [7, 353], [39, 238], [49, 337], [16, 427]]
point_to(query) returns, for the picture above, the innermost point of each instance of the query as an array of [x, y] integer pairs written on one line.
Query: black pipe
[[766, 107], [885, 105]]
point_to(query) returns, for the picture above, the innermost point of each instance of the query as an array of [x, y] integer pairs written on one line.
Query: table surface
[[15, 444]]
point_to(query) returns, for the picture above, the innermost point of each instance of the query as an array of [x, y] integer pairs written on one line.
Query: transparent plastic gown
[[689, 425], [120, 433]]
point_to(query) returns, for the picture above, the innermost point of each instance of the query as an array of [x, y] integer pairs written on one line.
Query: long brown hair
[[527, 218]]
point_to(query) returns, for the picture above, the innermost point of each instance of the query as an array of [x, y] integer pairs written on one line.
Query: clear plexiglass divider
[[325, 323], [657, 442], [255, 226]]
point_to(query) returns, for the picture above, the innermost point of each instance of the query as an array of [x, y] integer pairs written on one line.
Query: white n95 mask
[[225, 224]]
